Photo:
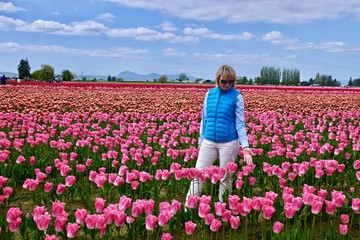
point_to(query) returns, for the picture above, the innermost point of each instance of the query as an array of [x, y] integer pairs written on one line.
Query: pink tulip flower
[[343, 229], [60, 222], [166, 236], [43, 221], [80, 215], [72, 229], [58, 208], [189, 227], [234, 222], [215, 225], [277, 227], [150, 222]]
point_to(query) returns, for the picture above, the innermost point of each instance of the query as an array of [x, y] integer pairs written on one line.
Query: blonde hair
[[225, 72]]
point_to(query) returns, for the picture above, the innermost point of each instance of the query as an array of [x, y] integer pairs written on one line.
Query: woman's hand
[[248, 155]]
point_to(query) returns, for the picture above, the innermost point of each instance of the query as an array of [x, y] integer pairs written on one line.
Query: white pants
[[209, 152]]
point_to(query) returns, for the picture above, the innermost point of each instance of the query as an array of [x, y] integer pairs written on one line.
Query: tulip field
[[95, 161]]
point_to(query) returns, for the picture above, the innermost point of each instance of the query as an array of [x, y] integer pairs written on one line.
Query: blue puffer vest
[[220, 121]]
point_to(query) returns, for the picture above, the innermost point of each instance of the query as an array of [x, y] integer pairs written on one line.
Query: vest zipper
[[217, 106]]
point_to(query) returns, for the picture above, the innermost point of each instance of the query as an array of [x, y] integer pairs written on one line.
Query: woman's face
[[226, 84]]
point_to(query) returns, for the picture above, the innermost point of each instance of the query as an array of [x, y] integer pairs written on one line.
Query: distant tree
[[119, 80], [66, 75], [24, 69], [48, 73], [162, 79], [251, 82], [154, 80], [37, 74], [84, 79], [356, 82], [269, 75], [183, 77], [242, 80], [304, 83], [290, 77], [350, 83], [311, 81], [113, 79], [109, 78]]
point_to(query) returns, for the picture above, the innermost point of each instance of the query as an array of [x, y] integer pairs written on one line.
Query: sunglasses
[[224, 82]]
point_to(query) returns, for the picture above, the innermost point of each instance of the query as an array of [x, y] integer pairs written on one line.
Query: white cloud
[[92, 28], [174, 52], [168, 27], [279, 39], [270, 11], [206, 33], [112, 52], [105, 17], [9, 7]]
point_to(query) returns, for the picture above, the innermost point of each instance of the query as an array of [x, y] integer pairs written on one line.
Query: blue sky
[[106, 37]]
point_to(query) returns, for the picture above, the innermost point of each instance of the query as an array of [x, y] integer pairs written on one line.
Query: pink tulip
[[119, 218], [203, 210], [32, 160], [48, 186], [219, 208], [80, 215], [192, 201], [3, 181], [57, 208], [149, 206], [60, 222], [90, 220], [175, 207], [60, 188], [150, 222], [72, 229], [164, 218], [15, 225], [50, 237], [226, 216], [189, 227], [70, 180], [247, 204], [48, 169], [355, 205], [30, 184], [43, 221], [209, 218], [252, 181], [124, 203], [343, 229], [234, 222], [12, 214], [99, 205], [166, 236], [316, 206], [330, 207], [289, 211], [215, 225], [345, 218], [137, 209], [233, 201], [277, 227], [268, 211], [7, 191], [20, 160]]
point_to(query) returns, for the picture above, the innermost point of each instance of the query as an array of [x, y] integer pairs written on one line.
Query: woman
[[222, 129]]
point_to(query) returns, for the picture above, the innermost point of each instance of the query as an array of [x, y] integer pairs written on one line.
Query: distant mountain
[[9, 74], [131, 76]]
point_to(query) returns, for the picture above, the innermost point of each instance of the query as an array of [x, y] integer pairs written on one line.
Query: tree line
[[268, 76]]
